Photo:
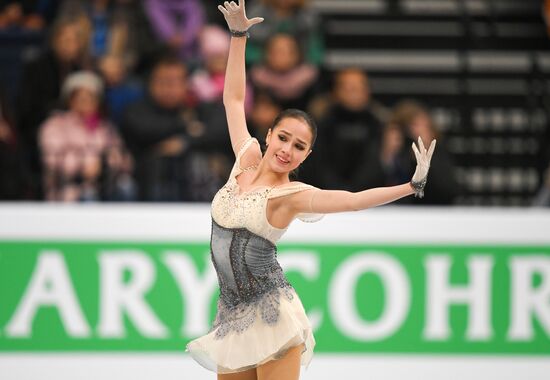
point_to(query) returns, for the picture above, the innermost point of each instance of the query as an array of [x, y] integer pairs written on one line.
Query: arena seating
[[481, 65]]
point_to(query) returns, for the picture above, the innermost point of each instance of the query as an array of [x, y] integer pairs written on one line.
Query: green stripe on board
[[128, 296]]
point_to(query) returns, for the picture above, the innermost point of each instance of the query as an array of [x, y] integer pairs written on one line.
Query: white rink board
[[191, 222], [175, 223], [323, 367]]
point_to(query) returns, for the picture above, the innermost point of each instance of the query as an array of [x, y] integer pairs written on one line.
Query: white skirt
[[258, 344]]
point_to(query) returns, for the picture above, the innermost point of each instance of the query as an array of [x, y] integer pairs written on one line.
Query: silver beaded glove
[[423, 158], [235, 16]]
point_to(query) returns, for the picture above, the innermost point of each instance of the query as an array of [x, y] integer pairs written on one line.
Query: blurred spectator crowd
[[124, 103]]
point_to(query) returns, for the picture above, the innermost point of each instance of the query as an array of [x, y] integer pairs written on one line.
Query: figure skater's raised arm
[[331, 201], [235, 78]]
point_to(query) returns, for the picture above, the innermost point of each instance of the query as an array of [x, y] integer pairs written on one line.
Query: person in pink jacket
[[82, 154]]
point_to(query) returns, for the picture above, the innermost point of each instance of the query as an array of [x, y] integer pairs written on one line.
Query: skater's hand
[[423, 158], [235, 16]]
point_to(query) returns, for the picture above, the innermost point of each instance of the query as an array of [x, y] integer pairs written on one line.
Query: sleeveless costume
[[259, 315]]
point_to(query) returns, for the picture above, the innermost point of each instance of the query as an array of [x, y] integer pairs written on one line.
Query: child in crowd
[[83, 157]]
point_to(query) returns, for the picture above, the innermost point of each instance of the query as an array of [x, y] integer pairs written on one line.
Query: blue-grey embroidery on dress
[[250, 278]]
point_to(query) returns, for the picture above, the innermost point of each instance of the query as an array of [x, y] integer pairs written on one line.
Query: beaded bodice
[[248, 210], [232, 208], [250, 279]]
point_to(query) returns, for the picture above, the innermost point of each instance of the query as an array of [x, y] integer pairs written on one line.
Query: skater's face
[[288, 144]]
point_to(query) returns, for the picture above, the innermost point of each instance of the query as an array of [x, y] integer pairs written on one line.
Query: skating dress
[[259, 315]]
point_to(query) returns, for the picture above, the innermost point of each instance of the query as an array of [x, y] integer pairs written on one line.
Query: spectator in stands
[[41, 82], [286, 16], [177, 23], [84, 159], [392, 161], [284, 74], [387, 162], [174, 143], [26, 14], [208, 165], [121, 90], [546, 15], [114, 28], [141, 46], [263, 114], [212, 14], [542, 199], [103, 34], [350, 124], [207, 81], [12, 169]]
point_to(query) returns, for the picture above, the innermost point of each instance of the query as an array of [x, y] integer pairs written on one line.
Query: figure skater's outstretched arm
[[235, 78], [330, 201]]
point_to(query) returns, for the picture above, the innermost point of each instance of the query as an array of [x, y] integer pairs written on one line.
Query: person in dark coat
[[352, 122], [13, 171], [167, 135], [389, 162], [32, 15]]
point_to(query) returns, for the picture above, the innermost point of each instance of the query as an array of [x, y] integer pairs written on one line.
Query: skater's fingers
[[223, 10], [431, 149], [416, 152]]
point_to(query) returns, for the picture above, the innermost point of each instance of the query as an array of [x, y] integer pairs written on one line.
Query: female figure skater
[[261, 330]]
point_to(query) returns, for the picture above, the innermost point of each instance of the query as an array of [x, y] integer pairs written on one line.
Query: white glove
[[423, 158], [235, 16]]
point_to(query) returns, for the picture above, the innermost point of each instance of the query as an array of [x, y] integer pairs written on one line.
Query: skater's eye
[[282, 137], [300, 147]]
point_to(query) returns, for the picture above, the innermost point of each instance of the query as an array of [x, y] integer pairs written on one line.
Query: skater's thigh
[[286, 368], [244, 375]]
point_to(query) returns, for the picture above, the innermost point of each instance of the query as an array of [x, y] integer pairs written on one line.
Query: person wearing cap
[[82, 155], [207, 81]]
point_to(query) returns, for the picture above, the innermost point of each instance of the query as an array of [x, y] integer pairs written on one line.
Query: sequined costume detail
[[250, 278], [418, 187]]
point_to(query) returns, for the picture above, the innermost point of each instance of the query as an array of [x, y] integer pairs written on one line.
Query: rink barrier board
[[371, 282]]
